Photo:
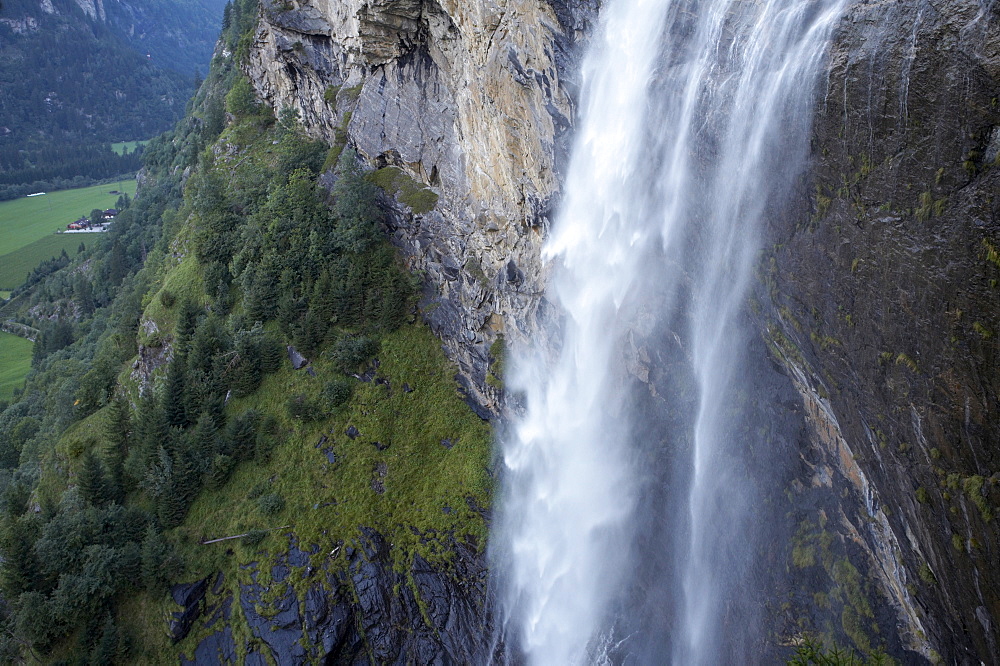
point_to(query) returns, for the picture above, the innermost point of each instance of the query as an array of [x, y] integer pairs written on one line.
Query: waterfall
[[693, 130]]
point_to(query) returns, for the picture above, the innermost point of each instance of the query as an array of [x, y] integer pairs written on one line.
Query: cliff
[[884, 288], [471, 100], [877, 295]]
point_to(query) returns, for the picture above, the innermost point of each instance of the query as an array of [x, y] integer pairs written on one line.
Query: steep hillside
[[236, 414]]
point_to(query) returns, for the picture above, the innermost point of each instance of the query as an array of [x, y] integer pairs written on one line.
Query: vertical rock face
[[886, 292], [470, 99]]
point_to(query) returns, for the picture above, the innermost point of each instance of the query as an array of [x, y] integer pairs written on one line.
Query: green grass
[[15, 266], [397, 183], [15, 361], [27, 219], [423, 476], [122, 146], [326, 504]]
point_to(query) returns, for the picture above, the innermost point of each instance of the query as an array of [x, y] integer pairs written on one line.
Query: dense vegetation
[[161, 409], [71, 85]]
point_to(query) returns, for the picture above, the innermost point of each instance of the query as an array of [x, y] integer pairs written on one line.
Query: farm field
[[127, 146], [16, 265], [15, 361], [25, 222], [27, 219]]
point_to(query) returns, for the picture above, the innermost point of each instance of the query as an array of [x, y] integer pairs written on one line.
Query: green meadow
[[15, 361], [27, 226], [123, 147], [15, 266]]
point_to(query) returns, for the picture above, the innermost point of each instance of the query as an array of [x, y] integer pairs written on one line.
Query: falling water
[[693, 128]]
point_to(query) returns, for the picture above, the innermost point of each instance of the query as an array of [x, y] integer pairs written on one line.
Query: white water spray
[[694, 121]]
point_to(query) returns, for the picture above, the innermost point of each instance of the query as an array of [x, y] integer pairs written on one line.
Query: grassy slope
[[427, 486], [27, 219], [15, 361], [324, 503]]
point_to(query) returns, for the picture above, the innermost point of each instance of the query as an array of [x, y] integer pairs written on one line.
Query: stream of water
[[693, 127]]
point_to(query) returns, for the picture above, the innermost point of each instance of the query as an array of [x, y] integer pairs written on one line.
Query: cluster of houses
[[91, 225]]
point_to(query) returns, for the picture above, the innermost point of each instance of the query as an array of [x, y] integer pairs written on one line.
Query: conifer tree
[[159, 562], [187, 322], [174, 407], [92, 481], [203, 441], [19, 568]]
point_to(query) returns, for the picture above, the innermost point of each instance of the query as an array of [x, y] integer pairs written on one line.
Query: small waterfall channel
[[693, 128]]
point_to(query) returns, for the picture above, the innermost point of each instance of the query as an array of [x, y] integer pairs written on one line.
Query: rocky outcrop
[[885, 292], [470, 99], [354, 608]]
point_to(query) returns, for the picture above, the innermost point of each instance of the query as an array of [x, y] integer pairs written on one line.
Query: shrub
[[301, 408], [271, 504], [253, 538], [350, 352], [218, 474], [241, 100], [337, 392]]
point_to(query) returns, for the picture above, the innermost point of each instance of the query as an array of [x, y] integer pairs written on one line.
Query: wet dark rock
[[312, 373], [513, 273], [322, 440], [330, 456], [217, 648], [468, 391], [882, 290], [406, 388], [189, 596], [381, 446], [298, 360], [447, 443], [280, 571], [353, 614], [255, 658], [220, 580], [223, 611], [297, 557], [352, 432], [276, 624], [369, 374]]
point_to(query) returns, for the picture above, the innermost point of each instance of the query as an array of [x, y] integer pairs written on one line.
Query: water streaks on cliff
[[694, 127]]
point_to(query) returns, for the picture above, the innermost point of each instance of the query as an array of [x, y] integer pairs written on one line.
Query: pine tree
[[159, 562], [92, 481], [174, 408], [108, 648], [19, 568], [203, 442], [152, 430], [118, 426], [187, 322]]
